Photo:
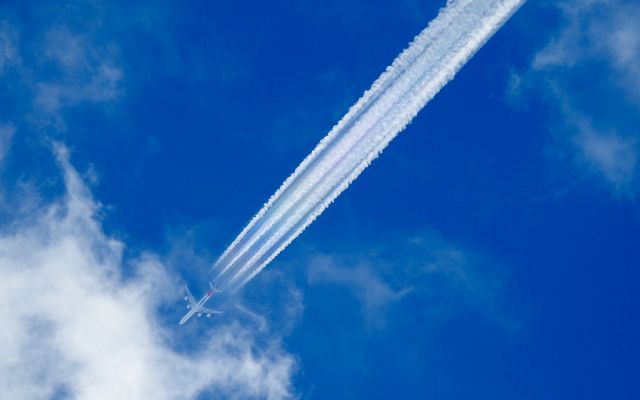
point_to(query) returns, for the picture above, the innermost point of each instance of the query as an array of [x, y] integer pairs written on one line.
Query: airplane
[[198, 308]]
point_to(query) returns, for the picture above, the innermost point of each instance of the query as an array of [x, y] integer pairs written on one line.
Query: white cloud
[[8, 51], [86, 71], [597, 31], [589, 72], [444, 276], [7, 132], [58, 69], [364, 282], [610, 155], [6, 135], [74, 326]]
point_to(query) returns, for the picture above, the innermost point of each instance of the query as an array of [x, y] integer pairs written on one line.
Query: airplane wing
[[206, 310], [192, 301]]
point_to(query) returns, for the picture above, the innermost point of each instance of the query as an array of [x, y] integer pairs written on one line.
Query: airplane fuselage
[[197, 308]]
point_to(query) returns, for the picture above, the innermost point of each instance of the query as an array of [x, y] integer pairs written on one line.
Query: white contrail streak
[[415, 77]]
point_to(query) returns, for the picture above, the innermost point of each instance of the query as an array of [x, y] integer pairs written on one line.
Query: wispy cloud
[[58, 66], [82, 72], [6, 135], [8, 47], [7, 132], [597, 31], [612, 156], [361, 279], [589, 72], [443, 277], [74, 326]]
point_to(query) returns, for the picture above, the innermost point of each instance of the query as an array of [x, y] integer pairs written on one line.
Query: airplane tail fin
[[213, 288]]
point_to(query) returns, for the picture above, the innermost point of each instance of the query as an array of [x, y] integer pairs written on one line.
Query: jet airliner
[[197, 307]]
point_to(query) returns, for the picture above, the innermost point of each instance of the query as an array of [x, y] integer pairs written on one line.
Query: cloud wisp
[[588, 73], [86, 73], [58, 68], [445, 278], [75, 325], [6, 134], [8, 51], [413, 79]]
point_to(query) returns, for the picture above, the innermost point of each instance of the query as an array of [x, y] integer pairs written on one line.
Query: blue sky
[[491, 251]]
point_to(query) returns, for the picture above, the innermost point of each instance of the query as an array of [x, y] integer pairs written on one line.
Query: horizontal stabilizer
[[189, 298], [206, 310]]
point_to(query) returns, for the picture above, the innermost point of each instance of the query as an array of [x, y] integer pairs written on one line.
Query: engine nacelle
[[208, 315], [188, 306], [199, 314]]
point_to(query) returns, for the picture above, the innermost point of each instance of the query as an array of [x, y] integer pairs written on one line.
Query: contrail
[[415, 77]]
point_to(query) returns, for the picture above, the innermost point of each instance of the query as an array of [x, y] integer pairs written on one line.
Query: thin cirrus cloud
[[612, 156], [74, 326], [58, 69], [424, 266], [589, 73], [75, 54], [82, 72], [6, 135], [8, 52], [597, 30]]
